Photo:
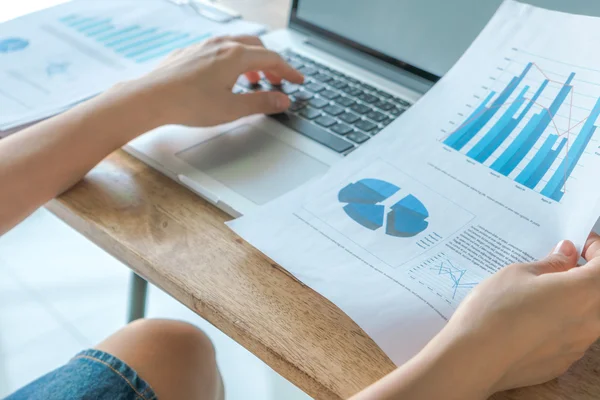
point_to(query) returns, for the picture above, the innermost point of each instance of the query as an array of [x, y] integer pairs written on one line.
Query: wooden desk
[[179, 242]]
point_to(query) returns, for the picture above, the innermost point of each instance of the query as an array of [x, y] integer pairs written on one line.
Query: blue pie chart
[[11, 45], [406, 218]]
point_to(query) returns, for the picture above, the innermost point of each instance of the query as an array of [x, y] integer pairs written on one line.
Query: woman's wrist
[[455, 365], [142, 106], [125, 111], [466, 364]]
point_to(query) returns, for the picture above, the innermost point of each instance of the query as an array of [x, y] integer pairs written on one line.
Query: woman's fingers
[[259, 103], [591, 249], [272, 76], [256, 58], [253, 77], [563, 258]]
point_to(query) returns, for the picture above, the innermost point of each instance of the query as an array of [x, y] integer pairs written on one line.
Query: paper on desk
[[55, 58], [495, 165]]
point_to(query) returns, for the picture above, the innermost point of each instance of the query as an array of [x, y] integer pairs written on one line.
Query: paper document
[[495, 165], [55, 58]]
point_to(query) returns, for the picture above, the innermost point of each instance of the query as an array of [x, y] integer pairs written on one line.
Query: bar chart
[[135, 42], [534, 130]]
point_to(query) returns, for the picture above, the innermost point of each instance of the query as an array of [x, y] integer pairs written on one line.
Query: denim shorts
[[91, 374]]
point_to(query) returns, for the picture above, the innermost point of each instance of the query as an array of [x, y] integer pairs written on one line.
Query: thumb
[[259, 103], [563, 258]]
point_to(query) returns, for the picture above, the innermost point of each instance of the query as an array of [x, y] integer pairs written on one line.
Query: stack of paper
[[57, 58]]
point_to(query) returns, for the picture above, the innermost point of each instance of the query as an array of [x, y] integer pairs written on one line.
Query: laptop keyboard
[[331, 108]]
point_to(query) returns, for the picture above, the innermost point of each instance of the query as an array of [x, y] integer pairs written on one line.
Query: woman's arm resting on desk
[[193, 87], [524, 326]]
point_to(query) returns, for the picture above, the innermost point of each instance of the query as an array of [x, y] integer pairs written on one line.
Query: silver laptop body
[[365, 64]]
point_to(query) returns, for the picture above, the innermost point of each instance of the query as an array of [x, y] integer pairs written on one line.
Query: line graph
[[456, 276], [517, 134], [445, 278]]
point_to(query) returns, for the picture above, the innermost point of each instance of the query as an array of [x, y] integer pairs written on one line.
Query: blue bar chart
[[518, 125], [135, 42]]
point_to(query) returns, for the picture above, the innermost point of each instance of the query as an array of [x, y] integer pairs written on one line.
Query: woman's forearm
[[449, 368], [193, 87], [43, 161]]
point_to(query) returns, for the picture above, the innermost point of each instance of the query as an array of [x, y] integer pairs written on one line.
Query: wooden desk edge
[[139, 264]]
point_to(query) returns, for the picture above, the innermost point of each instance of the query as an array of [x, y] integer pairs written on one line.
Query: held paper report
[[495, 165]]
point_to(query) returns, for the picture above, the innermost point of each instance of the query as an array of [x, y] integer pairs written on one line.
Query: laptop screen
[[425, 37]]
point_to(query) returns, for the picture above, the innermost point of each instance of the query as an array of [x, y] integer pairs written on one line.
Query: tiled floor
[[59, 294]]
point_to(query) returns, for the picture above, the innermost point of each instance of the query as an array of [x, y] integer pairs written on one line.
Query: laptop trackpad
[[253, 163]]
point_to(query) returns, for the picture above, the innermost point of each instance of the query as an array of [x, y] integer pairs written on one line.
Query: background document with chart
[[56, 58]]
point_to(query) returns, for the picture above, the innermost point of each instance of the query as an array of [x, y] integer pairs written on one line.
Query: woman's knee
[[176, 358], [161, 338]]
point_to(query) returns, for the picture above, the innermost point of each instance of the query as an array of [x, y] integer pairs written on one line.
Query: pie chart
[[406, 218]]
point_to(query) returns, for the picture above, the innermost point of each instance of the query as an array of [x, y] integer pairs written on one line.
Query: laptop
[[365, 64]]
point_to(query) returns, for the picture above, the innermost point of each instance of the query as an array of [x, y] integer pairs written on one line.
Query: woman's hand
[[538, 318], [523, 326], [194, 85]]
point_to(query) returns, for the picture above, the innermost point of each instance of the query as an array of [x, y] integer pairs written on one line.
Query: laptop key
[[317, 102], [345, 101], [314, 132], [297, 106], [314, 87], [384, 105], [337, 84], [387, 121], [397, 111], [342, 129], [289, 88], [383, 94], [360, 108], [303, 95], [310, 113], [306, 70], [368, 87], [322, 77], [349, 117], [365, 125], [352, 91], [330, 94], [376, 116], [358, 137], [368, 98], [403, 103], [325, 121], [265, 86], [333, 110], [296, 64]]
